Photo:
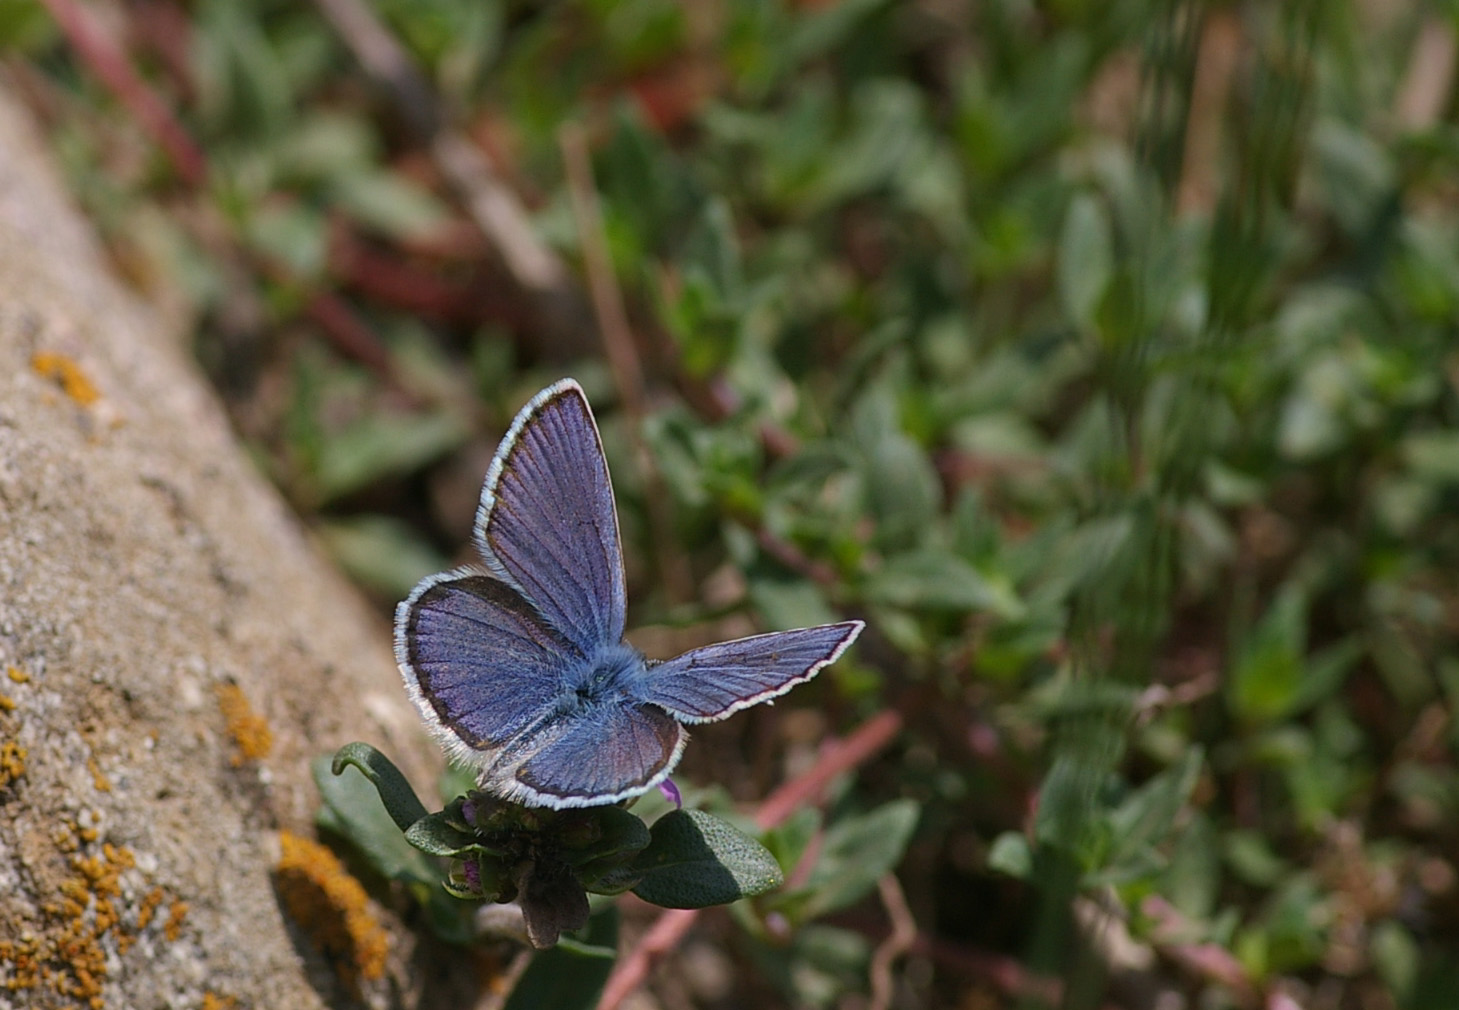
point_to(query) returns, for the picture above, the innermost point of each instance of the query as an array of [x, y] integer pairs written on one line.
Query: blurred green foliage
[[1101, 355]]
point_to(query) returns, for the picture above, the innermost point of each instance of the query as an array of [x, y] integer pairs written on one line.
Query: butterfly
[[519, 666]]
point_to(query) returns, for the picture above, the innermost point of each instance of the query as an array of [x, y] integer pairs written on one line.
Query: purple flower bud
[[472, 869], [671, 793], [778, 926]]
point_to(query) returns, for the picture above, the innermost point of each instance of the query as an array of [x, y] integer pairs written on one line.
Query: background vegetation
[[1101, 355]]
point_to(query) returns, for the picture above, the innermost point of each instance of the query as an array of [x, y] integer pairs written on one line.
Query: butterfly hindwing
[[479, 663], [547, 524], [711, 683], [602, 754]]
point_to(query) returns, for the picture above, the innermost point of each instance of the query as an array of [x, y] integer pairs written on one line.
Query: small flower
[[671, 793]]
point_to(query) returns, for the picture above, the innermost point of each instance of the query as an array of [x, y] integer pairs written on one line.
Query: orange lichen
[[148, 908], [74, 961], [176, 913], [62, 369], [24, 962], [64, 951], [331, 907], [98, 780], [19, 676], [249, 730], [212, 1001], [12, 762], [7, 704]]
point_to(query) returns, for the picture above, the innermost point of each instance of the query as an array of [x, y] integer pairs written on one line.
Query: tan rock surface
[[150, 580]]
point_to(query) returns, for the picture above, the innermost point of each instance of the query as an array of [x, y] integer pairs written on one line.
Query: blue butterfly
[[519, 667]]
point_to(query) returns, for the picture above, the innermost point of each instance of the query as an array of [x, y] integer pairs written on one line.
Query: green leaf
[[696, 860], [791, 603], [1268, 673], [572, 974], [1252, 859], [1119, 318], [938, 580], [822, 964], [1085, 257], [389, 203], [1192, 879], [1323, 672], [619, 832], [381, 552], [1146, 816], [435, 834], [1011, 854], [290, 234], [1397, 957], [821, 30], [380, 445], [325, 144], [604, 865], [1433, 455], [26, 28], [858, 851], [354, 811], [788, 842], [401, 802], [888, 133], [903, 492], [1356, 172]]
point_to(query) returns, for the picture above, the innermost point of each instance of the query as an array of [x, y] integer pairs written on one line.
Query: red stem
[[837, 757], [110, 63]]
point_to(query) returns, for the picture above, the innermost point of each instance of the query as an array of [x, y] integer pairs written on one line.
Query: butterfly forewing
[[480, 664], [713, 682], [602, 754], [547, 523]]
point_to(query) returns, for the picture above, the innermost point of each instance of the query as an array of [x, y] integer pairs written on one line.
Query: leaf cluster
[[547, 861]]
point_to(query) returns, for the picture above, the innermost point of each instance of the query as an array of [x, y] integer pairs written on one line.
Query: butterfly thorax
[[611, 675]]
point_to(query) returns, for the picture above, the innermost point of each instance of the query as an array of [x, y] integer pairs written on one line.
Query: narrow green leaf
[[1146, 816], [938, 580], [1397, 957], [353, 810], [696, 860], [380, 445], [858, 851], [400, 800], [381, 552], [1267, 678], [1085, 258], [389, 203]]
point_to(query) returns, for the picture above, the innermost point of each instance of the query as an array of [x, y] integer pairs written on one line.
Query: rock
[[173, 652]]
